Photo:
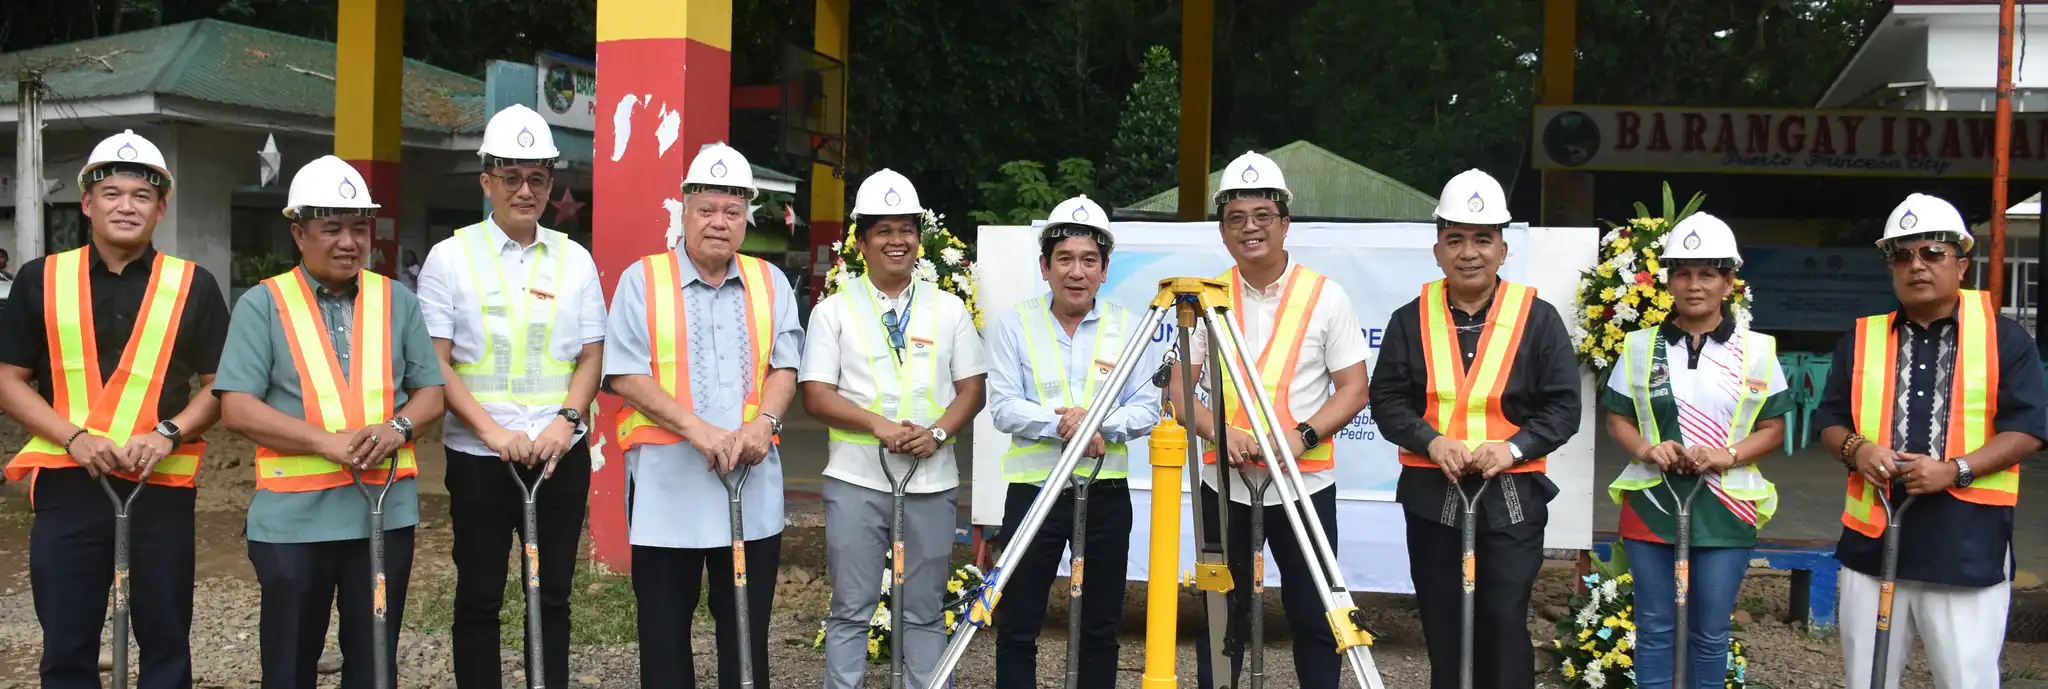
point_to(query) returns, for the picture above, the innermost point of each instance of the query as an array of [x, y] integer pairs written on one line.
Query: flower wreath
[[942, 259], [1629, 290]]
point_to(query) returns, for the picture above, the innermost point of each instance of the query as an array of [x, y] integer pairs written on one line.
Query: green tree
[[1142, 157], [1025, 193]]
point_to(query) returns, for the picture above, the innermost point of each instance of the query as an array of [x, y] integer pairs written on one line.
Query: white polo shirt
[[449, 304], [1333, 342], [841, 352]]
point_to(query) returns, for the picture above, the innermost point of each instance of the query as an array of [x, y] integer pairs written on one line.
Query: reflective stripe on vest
[[905, 390], [1746, 482], [668, 338], [1278, 360], [517, 363], [1973, 399], [1465, 403], [126, 405], [1030, 461], [365, 399]]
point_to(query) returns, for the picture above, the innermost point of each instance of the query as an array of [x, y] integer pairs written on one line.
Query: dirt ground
[[225, 649]]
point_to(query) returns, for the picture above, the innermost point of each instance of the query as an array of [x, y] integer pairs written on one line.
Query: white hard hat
[[1473, 198], [1921, 214], [1251, 173], [1702, 237], [130, 148], [887, 192], [1079, 217], [325, 187], [718, 166], [519, 135]]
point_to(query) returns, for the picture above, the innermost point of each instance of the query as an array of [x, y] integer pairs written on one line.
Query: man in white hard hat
[[518, 322], [329, 370], [1315, 393], [113, 335], [894, 366], [1936, 402], [703, 344], [1048, 356], [1474, 326]]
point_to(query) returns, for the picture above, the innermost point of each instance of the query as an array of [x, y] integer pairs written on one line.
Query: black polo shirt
[[1943, 540], [116, 302], [1541, 396]]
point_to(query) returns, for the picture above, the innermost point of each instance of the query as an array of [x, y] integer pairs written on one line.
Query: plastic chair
[[1817, 368], [1793, 364]]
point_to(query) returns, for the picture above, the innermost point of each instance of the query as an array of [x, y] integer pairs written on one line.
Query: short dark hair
[[862, 222], [1278, 198], [1047, 243]]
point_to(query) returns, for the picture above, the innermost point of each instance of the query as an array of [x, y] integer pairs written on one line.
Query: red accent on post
[[628, 221], [823, 234], [383, 178]]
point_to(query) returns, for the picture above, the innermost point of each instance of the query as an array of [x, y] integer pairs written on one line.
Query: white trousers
[[1962, 630]]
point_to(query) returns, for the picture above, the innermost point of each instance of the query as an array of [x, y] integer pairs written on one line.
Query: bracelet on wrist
[[74, 437]]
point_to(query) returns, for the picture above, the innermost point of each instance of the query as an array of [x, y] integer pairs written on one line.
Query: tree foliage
[[1141, 158], [1024, 193]]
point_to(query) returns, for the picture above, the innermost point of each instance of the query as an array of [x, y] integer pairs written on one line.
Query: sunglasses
[[1931, 254]]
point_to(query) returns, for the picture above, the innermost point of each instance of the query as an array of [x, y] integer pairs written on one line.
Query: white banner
[[1876, 143], [568, 91], [1381, 267]]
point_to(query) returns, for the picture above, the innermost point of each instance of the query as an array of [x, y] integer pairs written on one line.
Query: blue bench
[[1812, 564]]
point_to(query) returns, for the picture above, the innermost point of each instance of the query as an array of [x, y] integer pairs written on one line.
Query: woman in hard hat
[[1696, 401]]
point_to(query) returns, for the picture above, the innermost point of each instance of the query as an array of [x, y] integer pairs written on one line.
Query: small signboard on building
[[1869, 143], [568, 91]]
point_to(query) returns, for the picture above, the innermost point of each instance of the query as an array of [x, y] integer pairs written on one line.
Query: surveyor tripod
[[1192, 300]]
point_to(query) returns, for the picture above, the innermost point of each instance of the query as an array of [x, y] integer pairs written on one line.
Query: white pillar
[[198, 225]]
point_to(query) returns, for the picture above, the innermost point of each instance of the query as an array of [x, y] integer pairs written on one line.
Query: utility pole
[[2001, 161], [28, 169]]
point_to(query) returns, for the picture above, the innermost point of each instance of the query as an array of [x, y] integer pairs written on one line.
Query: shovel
[[121, 529], [896, 488], [1258, 611], [1470, 503], [735, 482], [1080, 543], [380, 629], [1682, 576], [1893, 519], [536, 676]]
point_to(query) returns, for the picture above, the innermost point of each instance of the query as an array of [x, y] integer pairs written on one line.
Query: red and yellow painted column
[[656, 59], [369, 78], [828, 189]]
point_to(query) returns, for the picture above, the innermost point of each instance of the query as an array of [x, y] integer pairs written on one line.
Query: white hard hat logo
[[1475, 204], [525, 138], [127, 152], [892, 198], [718, 169], [347, 189], [1692, 241], [1907, 221], [1251, 174], [1080, 213]]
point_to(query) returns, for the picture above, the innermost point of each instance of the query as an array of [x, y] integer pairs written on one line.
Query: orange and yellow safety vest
[[667, 333], [365, 399], [1464, 403], [126, 404], [1278, 361], [1973, 406]]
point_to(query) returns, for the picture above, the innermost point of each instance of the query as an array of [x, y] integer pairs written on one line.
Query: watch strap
[[1964, 476]]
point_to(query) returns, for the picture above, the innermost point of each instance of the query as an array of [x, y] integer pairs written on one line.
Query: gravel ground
[[225, 650]]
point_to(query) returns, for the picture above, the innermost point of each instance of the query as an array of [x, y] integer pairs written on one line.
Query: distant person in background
[[410, 274], [5, 275]]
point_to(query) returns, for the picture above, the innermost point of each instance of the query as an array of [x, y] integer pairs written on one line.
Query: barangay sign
[[1870, 143]]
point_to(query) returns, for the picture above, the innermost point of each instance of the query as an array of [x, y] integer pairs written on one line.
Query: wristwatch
[[1963, 474], [774, 423], [938, 434], [403, 426], [1513, 451], [575, 417], [1309, 438], [169, 429]]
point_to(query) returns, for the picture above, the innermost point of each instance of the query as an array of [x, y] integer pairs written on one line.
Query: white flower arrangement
[[942, 259]]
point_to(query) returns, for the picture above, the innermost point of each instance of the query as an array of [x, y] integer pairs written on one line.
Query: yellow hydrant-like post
[[1162, 590]]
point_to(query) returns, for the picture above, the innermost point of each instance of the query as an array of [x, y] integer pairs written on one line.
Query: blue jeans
[[1716, 580]]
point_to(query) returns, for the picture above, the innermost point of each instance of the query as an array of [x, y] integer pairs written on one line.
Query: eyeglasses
[[538, 180], [1931, 254], [1236, 221], [894, 328]]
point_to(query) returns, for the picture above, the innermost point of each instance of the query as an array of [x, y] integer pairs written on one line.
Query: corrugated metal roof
[[231, 64], [1325, 185]]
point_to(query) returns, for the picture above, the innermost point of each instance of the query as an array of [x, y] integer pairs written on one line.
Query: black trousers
[[299, 583], [667, 582], [1508, 560], [1316, 663], [71, 568], [488, 511], [1022, 616]]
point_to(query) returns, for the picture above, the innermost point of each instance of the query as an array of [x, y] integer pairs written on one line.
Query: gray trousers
[[857, 542]]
